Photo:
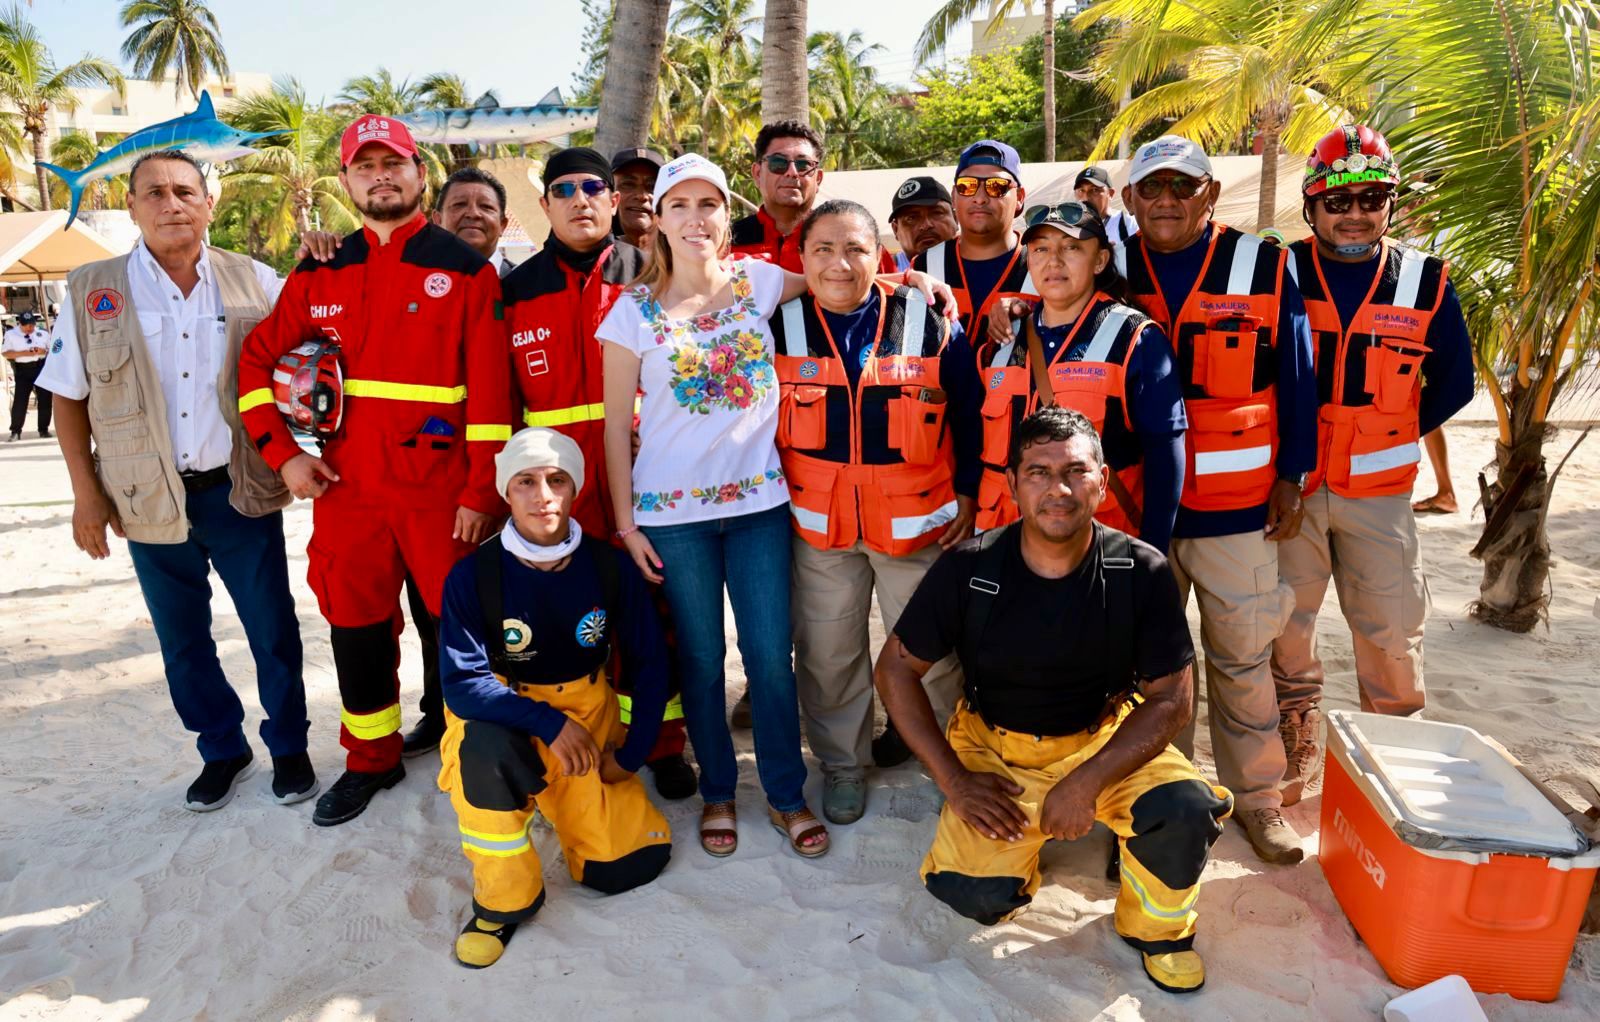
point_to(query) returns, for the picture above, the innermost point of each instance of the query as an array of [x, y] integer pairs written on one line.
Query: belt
[[211, 478]]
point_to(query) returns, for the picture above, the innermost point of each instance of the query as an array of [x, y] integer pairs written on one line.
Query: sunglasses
[[1182, 187], [1373, 201], [996, 187], [778, 163], [1070, 213], [567, 189]]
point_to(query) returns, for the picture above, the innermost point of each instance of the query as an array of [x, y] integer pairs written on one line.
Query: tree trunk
[[1050, 81], [1124, 144], [1267, 202], [785, 75], [633, 63], [38, 169], [1515, 548]]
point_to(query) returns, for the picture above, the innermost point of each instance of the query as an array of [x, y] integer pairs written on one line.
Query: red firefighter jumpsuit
[[427, 407]]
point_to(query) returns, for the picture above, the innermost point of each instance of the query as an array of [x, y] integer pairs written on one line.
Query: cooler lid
[[1447, 788]]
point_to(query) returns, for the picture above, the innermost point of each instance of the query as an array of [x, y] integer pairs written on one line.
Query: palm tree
[[1247, 66], [785, 75], [730, 23], [936, 34], [379, 94], [32, 84], [173, 34], [446, 91], [299, 168], [633, 62], [75, 150], [1513, 164], [846, 98]]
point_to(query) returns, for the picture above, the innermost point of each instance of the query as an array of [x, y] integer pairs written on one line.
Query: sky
[[520, 49]]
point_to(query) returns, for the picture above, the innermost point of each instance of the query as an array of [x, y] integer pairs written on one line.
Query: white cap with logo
[[689, 167], [1169, 152]]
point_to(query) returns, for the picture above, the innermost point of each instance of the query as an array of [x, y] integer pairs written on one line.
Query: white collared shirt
[[187, 339], [16, 340]]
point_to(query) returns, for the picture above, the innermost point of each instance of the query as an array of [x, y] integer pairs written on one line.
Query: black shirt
[[1042, 659]]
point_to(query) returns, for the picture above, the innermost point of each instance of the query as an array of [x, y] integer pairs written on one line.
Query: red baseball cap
[[376, 128]]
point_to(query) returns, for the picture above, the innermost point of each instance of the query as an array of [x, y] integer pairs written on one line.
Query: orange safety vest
[[873, 462], [943, 262], [1225, 335], [1093, 383], [1369, 377]]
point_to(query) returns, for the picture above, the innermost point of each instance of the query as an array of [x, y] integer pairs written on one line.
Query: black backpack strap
[[487, 571], [983, 587], [604, 556], [1116, 575]]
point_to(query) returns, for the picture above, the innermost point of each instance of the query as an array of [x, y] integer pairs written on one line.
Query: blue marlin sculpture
[[199, 134]]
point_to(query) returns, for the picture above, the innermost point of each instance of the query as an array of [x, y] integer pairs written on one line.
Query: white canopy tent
[[34, 249], [1052, 182]]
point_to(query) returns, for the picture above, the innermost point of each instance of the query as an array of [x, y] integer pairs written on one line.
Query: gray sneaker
[[1271, 836], [844, 797], [1301, 731]]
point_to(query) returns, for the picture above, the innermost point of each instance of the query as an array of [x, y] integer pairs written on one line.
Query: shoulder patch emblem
[[55, 349], [995, 380], [437, 285], [808, 369], [105, 303], [516, 635], [592, 629]]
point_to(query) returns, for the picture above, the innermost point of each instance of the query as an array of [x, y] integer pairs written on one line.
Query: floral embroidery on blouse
[[730, 372], [661, 500], [665, 329], [727, 493]]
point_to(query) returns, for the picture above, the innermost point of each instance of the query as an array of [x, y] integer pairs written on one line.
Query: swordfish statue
[[199, 134]]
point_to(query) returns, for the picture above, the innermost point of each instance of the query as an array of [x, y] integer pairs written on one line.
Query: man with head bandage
[[531, 619]]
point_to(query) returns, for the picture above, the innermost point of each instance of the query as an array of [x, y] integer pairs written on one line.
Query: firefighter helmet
[[1351, 155], [308, 387]]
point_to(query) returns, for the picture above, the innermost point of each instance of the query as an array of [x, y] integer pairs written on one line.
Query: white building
[[101, 111]]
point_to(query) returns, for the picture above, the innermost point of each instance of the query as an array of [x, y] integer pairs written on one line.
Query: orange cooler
[[1448, 860]]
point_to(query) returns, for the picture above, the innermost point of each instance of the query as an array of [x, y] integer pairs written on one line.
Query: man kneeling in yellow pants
[[527, 629], [1077, 659]]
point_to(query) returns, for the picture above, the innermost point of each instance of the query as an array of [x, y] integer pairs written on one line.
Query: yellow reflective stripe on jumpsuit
[[368, 726], [1165, 818], [674, 708], [495, 844]]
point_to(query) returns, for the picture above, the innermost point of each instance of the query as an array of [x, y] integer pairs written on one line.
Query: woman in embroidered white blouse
[[704, 505]]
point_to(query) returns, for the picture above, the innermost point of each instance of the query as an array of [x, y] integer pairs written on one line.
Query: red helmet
[[1352, 155], [308, 387]]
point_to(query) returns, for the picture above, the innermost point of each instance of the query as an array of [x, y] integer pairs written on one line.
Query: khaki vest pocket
[[138, 486], [113, 386]]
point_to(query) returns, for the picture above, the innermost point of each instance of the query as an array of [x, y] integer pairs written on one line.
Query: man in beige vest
[[145, 365]]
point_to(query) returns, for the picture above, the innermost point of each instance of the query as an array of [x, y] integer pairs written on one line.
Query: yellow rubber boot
[[1179, 972], [483, 942]]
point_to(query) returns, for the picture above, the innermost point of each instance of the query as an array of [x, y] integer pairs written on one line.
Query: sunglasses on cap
[[1182, 186], [567, 189], [1071, 213], [995, 187], [778, 163], [1375, 200]]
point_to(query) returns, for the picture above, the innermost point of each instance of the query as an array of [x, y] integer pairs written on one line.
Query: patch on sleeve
[[263, 440], [499, 310], [105, 303], [55, 349]]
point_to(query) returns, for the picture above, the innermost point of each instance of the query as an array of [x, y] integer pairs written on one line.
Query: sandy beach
[[117, 904]]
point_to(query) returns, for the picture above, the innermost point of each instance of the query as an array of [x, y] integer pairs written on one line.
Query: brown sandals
[[719, 819], [800, 826]]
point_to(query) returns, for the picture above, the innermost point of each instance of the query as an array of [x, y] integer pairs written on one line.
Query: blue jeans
[[248, 554], [749, 554]]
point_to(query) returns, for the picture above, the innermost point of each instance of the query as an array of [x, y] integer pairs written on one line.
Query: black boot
[[740, 719], [293, 779], [350, 794], [889, 749], [674, 777], [217, 782], [424, 738]]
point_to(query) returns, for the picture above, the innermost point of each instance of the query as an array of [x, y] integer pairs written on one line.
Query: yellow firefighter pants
[[1369, 547], [1165, 817], [613, 837]]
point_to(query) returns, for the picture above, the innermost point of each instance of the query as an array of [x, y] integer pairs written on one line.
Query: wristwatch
[[1298, 480]]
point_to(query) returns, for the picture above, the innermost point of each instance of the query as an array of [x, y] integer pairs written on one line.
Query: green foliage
[[178, 36], [1082, 111], [75, 151], [992, 96]]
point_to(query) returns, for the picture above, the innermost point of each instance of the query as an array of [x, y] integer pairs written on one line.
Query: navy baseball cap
[[28, 317], [994, 154]]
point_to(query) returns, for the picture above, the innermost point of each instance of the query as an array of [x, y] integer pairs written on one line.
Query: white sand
[[118, 904]]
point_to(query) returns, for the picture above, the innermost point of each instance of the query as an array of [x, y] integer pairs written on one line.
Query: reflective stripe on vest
[[1243, 269], [794, 329], [1382, 461], [918, 525], [1405, 292], [810, 521], [935, 261], [1245, 459], [405, 392]]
